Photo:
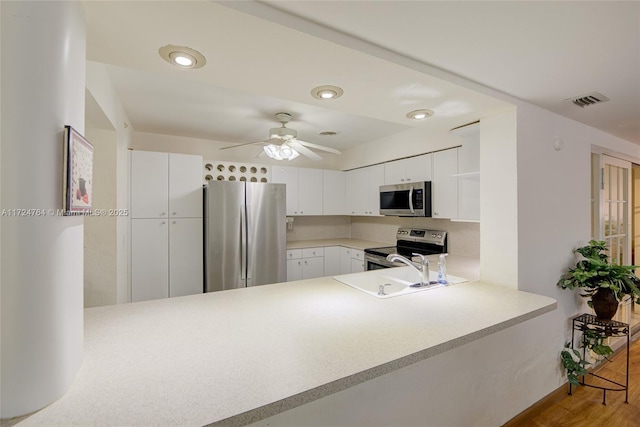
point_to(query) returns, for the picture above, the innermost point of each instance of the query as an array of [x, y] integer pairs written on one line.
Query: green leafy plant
[[594, 272], [575, 364]]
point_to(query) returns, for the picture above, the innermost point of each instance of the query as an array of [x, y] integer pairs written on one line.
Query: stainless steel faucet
[[423, 268]]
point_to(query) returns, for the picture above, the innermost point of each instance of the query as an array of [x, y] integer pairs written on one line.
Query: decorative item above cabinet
[[214, 170]]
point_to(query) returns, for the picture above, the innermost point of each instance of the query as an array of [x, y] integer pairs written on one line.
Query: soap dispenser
[[442, 269]]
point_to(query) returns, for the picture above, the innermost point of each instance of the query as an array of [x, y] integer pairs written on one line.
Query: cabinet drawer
[[357, 254], [312, 252], [294, 253]]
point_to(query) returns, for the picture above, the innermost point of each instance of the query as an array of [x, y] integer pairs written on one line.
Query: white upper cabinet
[[310, 191], [164, 185], [304, 189], [376, 179], [469, 174], [166, 225], [185, 186], [445, 184], [363, 190], [412, 169], [334, 192], [288, 175], [356, 196], [150, 184]]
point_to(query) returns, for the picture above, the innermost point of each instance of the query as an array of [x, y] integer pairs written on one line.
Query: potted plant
[[575, 364], [604, 283]]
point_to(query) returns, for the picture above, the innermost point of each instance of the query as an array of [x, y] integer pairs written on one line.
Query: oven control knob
[[433, 235]]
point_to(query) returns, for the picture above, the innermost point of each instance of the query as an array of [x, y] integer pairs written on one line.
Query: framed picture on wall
[[78, 173]]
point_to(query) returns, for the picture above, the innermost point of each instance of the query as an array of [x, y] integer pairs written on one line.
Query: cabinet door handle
[[173, 213], [162, 223], [162, 213]]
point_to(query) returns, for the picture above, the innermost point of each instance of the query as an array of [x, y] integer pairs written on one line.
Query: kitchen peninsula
[[240, 356]]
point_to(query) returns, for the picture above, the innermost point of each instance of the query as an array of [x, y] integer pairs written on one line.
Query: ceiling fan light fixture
[[182, 56], [282, 152], [326, 92], [419, 114], [286, 152]]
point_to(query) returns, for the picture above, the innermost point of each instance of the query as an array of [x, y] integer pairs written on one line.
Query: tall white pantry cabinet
[[166, 225]]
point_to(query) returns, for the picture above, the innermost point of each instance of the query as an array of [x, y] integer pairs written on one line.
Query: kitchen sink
[[396, 281]]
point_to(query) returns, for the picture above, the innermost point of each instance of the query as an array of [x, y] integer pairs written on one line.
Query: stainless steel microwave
[[411, 199]]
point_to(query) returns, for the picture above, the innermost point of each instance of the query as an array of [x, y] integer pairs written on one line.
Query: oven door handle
[[411, 200]]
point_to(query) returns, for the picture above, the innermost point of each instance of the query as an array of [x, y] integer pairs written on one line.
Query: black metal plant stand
[[608, 328]]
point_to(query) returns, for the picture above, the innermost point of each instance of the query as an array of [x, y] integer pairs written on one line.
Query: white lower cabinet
[[332, 260], [149, 259], [357, 265], [166, 258], [312, 267], [351, 260], [185, 257], [305, 263]]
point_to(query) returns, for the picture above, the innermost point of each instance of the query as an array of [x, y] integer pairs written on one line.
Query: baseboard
[[522, 419]]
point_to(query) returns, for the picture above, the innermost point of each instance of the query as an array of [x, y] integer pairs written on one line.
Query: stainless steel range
[[408, 241]]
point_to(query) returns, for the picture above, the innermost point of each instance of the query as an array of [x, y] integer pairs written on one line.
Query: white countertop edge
[[299, 399], [347, 242]]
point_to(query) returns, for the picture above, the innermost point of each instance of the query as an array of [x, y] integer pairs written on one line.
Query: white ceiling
[[542, 52]]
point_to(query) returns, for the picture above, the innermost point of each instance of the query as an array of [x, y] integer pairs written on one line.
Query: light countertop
[[238, 356], [347, 242], [463, 266]]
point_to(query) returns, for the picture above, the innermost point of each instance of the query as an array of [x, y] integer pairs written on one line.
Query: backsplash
[[463, 238], [319, 227]]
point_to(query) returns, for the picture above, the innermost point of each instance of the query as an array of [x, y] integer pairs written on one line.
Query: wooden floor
[[584, 408]]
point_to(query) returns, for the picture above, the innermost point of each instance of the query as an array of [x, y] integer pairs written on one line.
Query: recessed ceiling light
[[326, 92], [182, 56], [419, 114]]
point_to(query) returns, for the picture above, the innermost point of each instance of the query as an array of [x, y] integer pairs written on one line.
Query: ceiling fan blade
[[304, 150], [268, 141], [318, 147]]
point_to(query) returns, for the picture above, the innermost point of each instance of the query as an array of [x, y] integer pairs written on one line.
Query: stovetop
[[402, 250], [414, 240]]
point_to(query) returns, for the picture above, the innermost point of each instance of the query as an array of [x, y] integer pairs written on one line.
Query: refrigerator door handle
[[243, 243], [248, 245]]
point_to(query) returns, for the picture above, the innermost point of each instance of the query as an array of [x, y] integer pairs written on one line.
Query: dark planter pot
[[605, 304]]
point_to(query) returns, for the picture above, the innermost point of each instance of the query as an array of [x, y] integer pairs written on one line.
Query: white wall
[[499, 199], [100, 232], [102, 91], [210, 150], [404, 144], [43, 78], [538, 202], [478, 384], [553, 219]]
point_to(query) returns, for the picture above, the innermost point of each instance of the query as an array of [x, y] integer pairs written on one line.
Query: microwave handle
[[411, 200]]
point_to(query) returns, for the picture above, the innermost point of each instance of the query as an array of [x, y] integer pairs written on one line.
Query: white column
[[43, 84]]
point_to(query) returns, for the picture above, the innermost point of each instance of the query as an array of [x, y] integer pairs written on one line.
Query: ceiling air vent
[[588, 99]]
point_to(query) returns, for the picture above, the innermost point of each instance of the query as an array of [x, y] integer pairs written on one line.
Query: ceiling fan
[[283, 143]]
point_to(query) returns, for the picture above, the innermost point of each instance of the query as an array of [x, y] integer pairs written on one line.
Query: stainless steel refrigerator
[[245, 234]]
